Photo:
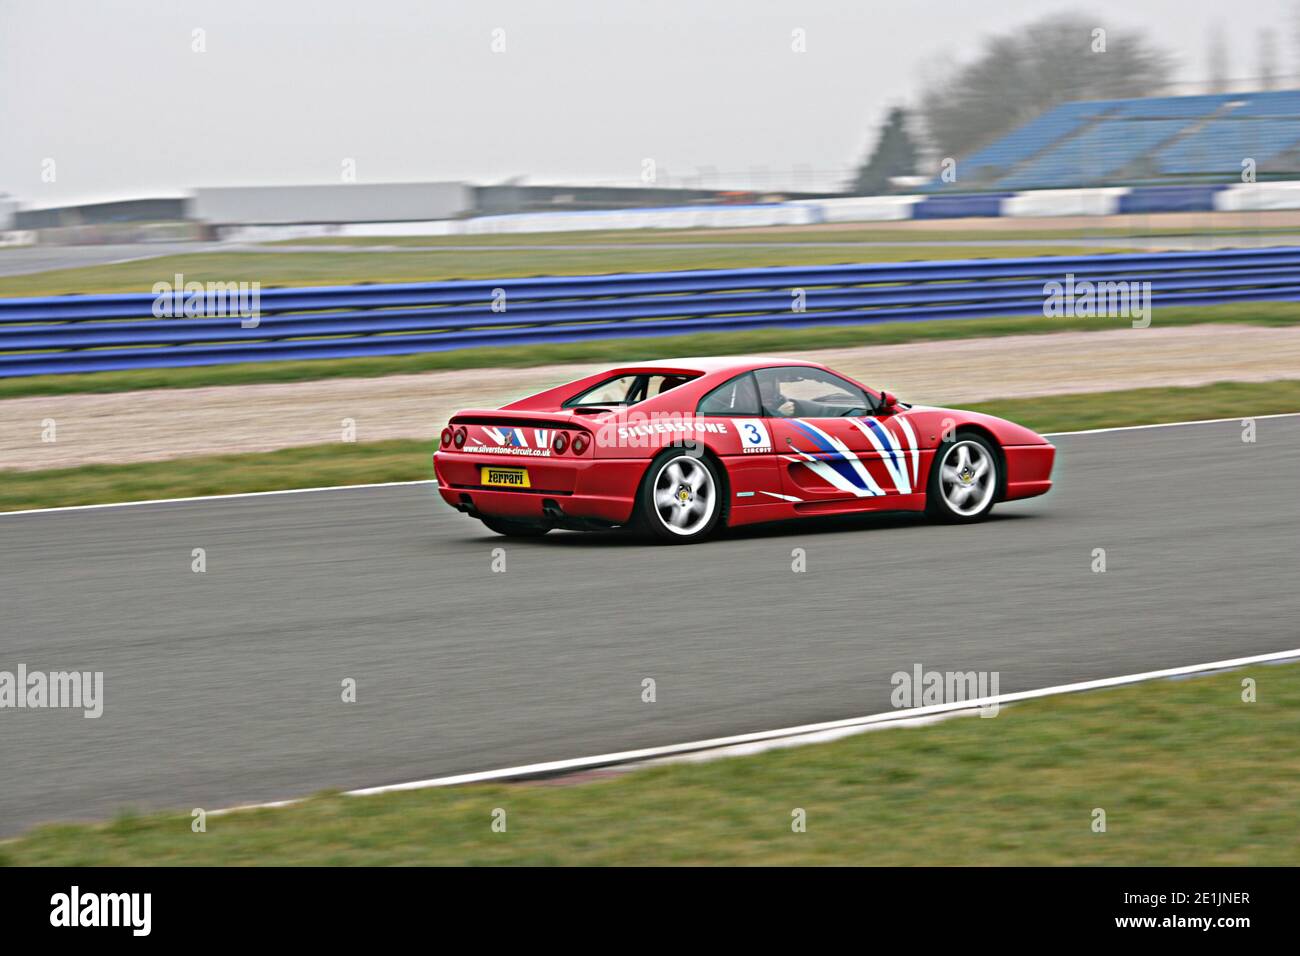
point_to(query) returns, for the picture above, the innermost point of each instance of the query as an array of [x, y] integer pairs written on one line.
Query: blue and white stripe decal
[[906, 426], [890, 454], [841, 467], [836, 463]]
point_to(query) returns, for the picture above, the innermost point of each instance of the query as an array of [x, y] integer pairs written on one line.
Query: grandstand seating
[[1220, 145], [1157, 140], [1096, 154], [1024, 142]]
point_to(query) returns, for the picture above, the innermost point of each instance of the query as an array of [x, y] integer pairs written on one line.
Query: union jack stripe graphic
[[507, 437], [842, 468], [835, 463]]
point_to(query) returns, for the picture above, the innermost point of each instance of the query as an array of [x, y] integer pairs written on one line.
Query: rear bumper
[[1029, 470], [573, 491]]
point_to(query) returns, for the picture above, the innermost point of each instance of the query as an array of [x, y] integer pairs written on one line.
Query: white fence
[[1033, 204]]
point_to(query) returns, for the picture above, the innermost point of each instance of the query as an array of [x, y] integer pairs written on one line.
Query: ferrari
[[681, 448]]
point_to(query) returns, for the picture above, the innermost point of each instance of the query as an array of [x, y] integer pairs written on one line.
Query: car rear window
[[627, 389]]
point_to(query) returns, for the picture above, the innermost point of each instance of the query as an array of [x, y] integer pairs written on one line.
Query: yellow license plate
[[505, 477]]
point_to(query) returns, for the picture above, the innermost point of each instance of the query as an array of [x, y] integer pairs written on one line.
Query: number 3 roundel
[[753, 434]]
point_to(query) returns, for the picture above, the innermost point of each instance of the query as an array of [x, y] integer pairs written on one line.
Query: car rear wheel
[[515, 529], [680, 500], [963, 480]]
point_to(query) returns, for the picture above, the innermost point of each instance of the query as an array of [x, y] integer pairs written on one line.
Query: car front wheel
[[963, 480]]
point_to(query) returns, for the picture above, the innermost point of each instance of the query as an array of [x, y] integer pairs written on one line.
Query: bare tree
[[1267, 59], [1019, 75], [1216, 61], [1295, 37]]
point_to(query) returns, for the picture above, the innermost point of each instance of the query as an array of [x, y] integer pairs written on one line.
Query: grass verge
[[310, 466], [631, 349], [1186, 772], [326, 267], [408, 460]]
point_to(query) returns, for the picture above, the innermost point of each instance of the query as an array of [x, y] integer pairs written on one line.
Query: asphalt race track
[[225, 687]]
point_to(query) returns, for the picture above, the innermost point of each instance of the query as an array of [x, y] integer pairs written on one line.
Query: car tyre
[[681, 498], [964, 479]]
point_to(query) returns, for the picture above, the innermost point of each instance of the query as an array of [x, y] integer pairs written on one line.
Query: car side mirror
[[888, 402]]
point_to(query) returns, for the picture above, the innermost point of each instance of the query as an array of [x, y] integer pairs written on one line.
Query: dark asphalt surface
[[24, 260], [224, 687]]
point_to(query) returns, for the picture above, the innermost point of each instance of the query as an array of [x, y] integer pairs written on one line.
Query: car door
[[832, 447], [745, 443]]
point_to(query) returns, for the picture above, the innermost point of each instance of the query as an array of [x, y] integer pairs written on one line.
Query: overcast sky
[[287, 90]]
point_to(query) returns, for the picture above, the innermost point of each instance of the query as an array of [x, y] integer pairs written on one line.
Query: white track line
[[1203, 421], [904, 715], [910, 713], [430, 481]]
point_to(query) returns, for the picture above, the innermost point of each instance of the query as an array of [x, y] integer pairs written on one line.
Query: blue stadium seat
[[1220, 145], [1168, 139], [1024, 142], [1173, 107], [1286, 103], [1095, 155]]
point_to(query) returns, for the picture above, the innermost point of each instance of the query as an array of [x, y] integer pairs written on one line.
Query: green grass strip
[[326, 267]]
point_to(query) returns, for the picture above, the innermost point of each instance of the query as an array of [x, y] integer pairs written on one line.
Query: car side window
[[799, 392], [737, 396], [627, 389], [613, 391], [658, 384]]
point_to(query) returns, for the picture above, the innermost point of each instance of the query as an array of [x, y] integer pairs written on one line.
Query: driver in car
[[774, 402]]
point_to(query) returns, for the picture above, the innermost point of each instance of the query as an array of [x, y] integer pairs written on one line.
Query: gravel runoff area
[[158, 424]]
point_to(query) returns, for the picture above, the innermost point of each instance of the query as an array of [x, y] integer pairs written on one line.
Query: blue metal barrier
[[1189, 198], [88, 333], [960, 206]]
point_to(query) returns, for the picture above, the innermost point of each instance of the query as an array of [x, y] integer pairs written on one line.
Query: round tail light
[[446, 437], [459, 438], [580, 444], [561, 442]]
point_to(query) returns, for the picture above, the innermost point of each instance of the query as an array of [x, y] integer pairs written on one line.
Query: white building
[[341, 203]]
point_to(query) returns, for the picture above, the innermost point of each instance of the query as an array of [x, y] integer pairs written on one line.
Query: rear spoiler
[[522, 418]]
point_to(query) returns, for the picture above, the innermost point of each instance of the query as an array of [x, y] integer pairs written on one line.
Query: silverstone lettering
[[673, 428], [514, 441], [508, 450]]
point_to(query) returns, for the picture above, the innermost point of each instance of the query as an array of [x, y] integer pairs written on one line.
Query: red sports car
[[678, 448]]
